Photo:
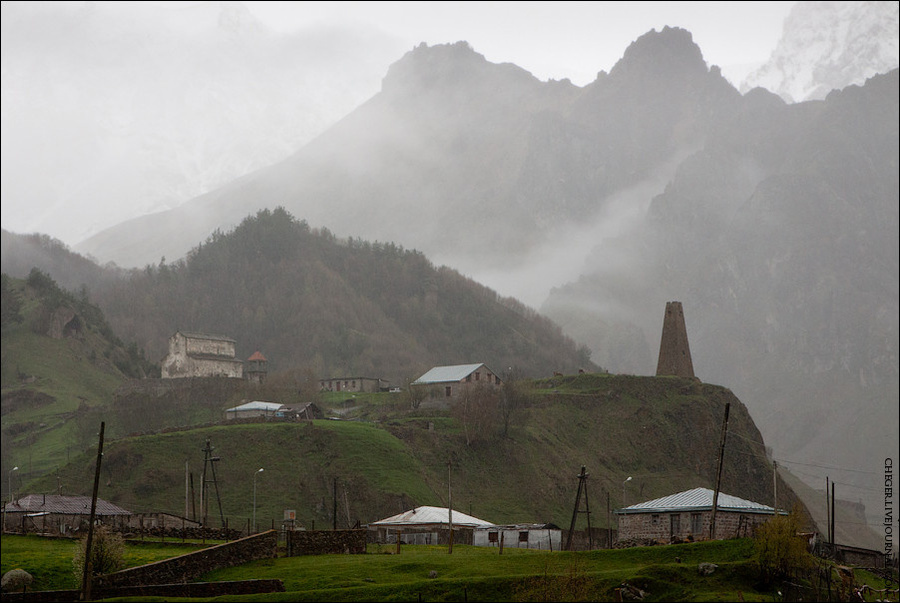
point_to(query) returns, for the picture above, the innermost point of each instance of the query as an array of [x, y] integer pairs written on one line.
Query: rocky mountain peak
[[662, 53], [443, 65]]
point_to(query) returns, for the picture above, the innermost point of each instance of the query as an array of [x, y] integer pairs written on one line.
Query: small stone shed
[[685, 516], [541, 536], [426, 525], [60, 515]]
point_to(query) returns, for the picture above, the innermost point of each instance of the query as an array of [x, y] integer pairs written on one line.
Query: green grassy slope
[[663, 432], [49, 383]]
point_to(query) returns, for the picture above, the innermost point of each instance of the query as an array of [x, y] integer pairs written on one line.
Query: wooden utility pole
[[86, 576], [775, 487], [608, 523], [827, 513], [712, 518], [582, 485], [832, 515]]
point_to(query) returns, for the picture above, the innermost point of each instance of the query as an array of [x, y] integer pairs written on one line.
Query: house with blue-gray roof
[[450, 381], [686, 517]]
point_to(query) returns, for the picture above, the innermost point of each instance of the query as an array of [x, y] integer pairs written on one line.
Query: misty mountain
[[776, 225], [311, 302], [123, 111], [828, 46], [781, 238]]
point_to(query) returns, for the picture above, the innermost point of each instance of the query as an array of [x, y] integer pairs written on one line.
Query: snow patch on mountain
[[828, 46]]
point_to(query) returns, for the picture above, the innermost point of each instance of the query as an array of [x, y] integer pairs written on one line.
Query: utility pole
[[827, 513], [832, 515], [450, 506], [582, 485], [334, 505], [608, 523], [211, 460], [712, 518], [775, 487], [187, 487], [88, 569]]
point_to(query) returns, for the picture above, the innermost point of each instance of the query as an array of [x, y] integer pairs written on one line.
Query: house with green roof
[[686, 517]]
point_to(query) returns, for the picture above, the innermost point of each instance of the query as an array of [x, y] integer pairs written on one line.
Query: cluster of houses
[[684, 516], [680, 517]]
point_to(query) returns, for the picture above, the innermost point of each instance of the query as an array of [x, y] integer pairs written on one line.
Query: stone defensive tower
[[674, 351]]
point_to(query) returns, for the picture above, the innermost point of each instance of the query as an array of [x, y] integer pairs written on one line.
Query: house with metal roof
[[686, 516], [256, 408], [57, 514], [426, 525], [450, 381]]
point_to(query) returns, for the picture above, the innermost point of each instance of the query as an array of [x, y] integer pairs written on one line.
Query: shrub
[[779, 551], [107, 553]]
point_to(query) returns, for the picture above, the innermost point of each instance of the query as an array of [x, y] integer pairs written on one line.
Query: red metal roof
[[257, 356]]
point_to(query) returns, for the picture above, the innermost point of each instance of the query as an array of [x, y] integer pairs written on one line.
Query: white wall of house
[[519, 537]]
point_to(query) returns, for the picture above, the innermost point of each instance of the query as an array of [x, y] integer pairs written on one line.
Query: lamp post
[[623, 490], [258, 471], [16, 468]]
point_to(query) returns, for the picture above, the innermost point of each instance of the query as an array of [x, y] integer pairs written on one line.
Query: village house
[[541, 536], [354, 384], [60, 515], [201, 355], [275, 411], [426, 525], [686, 517], [450, 381]]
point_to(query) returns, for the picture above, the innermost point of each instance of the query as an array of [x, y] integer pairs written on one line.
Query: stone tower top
[[674, 351]]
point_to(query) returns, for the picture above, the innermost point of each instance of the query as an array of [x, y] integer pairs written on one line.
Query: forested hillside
[[310, 301], [60, 361]]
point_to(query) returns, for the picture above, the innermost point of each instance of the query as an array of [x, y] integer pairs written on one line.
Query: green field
[[49, 560]]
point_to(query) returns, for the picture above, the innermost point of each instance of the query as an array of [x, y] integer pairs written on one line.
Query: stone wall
[[686, 527], [191, 566], [325, 542]]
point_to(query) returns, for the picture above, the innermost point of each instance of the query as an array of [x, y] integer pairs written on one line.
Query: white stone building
[[201, 355]]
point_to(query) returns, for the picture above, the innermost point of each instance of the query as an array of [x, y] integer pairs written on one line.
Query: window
[[492, 536], [654, 520], [447, 391], [675, 524], [696, 523], [523, 536], [477, 376]]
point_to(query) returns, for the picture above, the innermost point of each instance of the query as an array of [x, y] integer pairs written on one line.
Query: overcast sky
[[554, 40]]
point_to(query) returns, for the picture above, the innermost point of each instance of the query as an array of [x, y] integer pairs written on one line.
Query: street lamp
[[258, 471], [16, 468], [623, 490]]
